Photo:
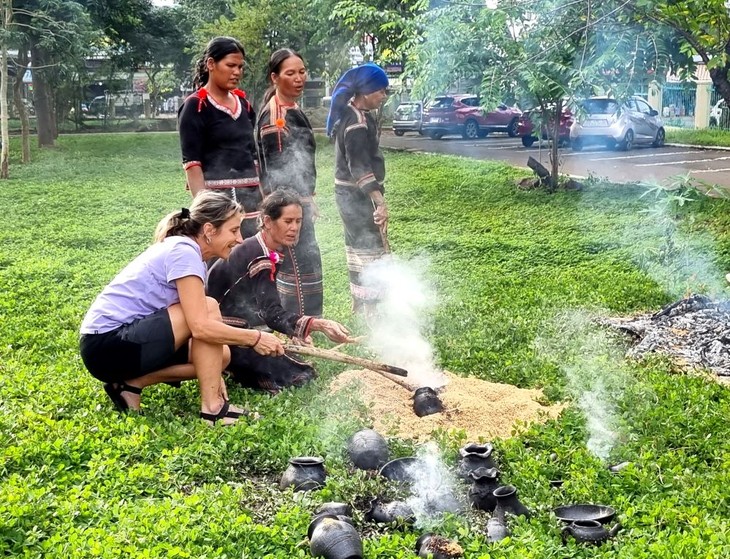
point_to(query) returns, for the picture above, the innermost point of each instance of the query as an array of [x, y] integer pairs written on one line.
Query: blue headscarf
[[364, 79]]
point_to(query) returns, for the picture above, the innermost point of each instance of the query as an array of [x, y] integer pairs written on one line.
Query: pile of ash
[[695, 331]]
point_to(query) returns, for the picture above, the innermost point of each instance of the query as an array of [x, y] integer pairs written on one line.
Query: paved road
[[639, 164]]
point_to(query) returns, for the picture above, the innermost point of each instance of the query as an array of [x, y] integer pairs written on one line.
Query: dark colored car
[[408, 118], [462, 114], [526, 127]]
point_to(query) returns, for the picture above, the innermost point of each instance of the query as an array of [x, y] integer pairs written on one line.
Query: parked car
[[408, 118], [462, 114], [716, 113], [615, 126], [526, 127]]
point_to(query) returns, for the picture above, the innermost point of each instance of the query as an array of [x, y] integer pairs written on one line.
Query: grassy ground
[[519, 276], [699, 137]]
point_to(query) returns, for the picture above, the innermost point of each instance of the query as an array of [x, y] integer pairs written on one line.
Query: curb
[[718, 148]]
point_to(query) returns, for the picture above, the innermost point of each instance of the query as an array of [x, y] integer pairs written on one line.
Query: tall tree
[[6, 16]]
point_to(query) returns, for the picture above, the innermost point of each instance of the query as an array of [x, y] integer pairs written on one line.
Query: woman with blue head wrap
[[359, 174]]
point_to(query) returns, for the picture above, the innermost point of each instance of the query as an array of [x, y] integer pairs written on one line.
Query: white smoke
[[593, 363], [403, 318], [433, 490]]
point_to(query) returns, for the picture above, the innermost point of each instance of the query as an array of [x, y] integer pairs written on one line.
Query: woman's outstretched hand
[[333, 330], [268, 345]]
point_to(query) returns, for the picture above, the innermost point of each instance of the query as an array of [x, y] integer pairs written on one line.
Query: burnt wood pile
[[695, 331]]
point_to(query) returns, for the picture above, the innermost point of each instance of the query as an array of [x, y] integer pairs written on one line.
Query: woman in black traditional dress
[[359, 174], [286, 148], [245, 287], [216, 126]]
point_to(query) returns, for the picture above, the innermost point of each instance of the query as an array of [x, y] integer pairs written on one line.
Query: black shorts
[[133, 350]]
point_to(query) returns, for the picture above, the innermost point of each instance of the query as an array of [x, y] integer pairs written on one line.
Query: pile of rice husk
[[480, 408]]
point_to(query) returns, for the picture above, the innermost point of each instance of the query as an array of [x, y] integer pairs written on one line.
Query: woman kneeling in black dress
[[245, 287]]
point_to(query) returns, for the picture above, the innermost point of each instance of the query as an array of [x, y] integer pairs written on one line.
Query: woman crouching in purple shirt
[[154, 324]]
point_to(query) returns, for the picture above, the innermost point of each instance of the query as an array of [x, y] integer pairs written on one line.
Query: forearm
[[216, 332], [195, 179]]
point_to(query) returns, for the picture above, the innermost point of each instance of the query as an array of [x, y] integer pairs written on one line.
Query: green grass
[[518, 274], [699, 136]]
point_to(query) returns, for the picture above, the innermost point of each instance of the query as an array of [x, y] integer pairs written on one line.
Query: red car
[[461, 114], [526, 128]]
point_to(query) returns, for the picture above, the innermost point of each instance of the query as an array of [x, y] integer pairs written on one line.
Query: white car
[[716, 112], [604, 122]]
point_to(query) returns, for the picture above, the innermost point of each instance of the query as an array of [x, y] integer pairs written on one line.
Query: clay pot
[[387, 513], [507, 501], [433, 546], [497, 529], [426, 401], [485, 481], [335, 508], [333, 538], [367, 449], [588, 531], [304, 473], [474, 456], [404, 469]]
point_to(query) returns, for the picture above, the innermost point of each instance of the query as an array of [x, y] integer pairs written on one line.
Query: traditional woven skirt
[[363, 241]]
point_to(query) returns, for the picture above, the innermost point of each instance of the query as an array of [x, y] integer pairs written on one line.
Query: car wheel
[[576, 144], [435, 135], [471, 130], [512, 128], [628, 142], [398, 132], [527, 141], [659, 139]]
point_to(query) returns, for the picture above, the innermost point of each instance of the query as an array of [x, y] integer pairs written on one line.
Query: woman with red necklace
[[286, 147], [245, 287], [216, 126]]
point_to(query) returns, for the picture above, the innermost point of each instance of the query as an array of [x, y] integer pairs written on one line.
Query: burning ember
[[695, 330]]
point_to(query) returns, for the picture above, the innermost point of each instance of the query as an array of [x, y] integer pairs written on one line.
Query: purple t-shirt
[[146, 285]]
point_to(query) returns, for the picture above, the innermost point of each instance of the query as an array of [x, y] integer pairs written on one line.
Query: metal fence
[[678, 104]]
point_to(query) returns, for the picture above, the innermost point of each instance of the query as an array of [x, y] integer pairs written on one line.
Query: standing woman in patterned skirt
[[360, 174], [216, 126], [286, 147]]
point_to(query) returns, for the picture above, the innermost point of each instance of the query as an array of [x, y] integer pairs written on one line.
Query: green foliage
[[516, 271]]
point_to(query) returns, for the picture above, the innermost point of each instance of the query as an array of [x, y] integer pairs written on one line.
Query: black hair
[[273, 205], [274, 67], [217, 49]]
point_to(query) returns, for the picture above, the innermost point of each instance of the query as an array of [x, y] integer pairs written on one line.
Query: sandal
[[114, 391], [222, 414]]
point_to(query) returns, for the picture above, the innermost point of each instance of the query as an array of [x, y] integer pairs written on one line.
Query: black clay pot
[[433, 546], [497, 529], [304, 473], [426, 402], [334, 508], [368, 450], [333, 538], [588, 531], [473, 456], [387, 513], [507, 501], [481, 492], [406, 470]]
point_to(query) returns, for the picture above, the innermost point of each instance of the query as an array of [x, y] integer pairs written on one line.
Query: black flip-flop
[[224, 412], [114, 391]]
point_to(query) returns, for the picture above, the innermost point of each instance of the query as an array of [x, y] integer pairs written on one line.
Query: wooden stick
[[344, 358]]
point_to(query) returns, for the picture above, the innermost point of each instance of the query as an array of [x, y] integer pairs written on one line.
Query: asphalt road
[[640, 164]]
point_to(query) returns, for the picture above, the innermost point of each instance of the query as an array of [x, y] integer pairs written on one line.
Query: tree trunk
[[19, 105], [42, 97], [6, 14], [554, 133], [720, 81]]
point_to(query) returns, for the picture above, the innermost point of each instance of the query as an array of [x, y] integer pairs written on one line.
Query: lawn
[[519, 277]]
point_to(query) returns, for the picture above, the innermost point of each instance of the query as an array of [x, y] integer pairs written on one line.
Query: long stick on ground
[[344, 358]]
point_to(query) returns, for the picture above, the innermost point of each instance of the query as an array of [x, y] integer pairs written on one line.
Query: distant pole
[[6, 15]]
